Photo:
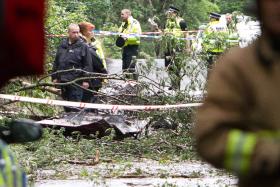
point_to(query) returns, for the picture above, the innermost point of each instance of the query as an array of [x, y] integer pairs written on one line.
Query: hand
[[105, 81], [85, 85]]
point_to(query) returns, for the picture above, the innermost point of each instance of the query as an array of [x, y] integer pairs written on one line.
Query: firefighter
[[129, 29], [174, 27], [22, 53], [238, 125]]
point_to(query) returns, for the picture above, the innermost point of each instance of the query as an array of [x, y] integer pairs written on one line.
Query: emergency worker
[[173, 29], [72, 54], [233, 38], [11, 174], [130, 30], [230, 23], [94, 42], [214, 39], [97, 64], [238, 125], [21, 55]]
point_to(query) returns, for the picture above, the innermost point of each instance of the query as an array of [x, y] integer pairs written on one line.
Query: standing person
[[214, 39], [129, 28], [239, 123], [97, 64], [174, 26], [233, 38], [99, 50], [230, 23], [87, 30], [72, 54]]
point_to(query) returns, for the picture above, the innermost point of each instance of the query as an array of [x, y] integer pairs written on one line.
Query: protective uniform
[[238, 126], [22, 54], [209, 44], [99, 51], [132, 28], [214, 41], [174, 27], [11, 174]]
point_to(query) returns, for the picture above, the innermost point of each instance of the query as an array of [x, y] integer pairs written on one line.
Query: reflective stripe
[[2, 164], [239, 150], [10, 174], [14, 170], [248, 148], [237, 156], [230, 148], [8, 167]]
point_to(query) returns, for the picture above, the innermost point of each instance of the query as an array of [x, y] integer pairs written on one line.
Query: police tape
[[112, 108], [153, 35]]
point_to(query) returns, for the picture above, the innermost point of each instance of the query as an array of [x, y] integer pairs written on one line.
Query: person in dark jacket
[[73, 55], [87, 35]]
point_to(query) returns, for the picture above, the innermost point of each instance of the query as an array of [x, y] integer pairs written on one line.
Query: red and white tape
[[112, 108]]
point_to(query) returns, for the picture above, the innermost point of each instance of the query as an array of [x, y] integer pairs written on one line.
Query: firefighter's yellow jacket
[[133, 29], [238, 126]]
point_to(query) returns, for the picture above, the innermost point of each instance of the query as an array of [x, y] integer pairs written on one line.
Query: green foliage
[[54, 149], [106, 16], [227, 6], [198, 11], [216, 40]]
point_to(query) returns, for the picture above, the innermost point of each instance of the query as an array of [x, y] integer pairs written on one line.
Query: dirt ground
[[142, 173]]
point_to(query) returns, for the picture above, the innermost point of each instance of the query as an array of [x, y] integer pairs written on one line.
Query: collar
[[78, 43], [129, 20]]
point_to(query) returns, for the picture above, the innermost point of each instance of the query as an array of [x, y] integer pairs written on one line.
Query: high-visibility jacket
[[99, 51], [238, 125], [233, 39], [11, 174], [133, 29], [214, 29], [173, 26]]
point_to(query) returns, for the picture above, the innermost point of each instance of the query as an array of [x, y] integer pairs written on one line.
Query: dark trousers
[[128, 52], [90, 97], [173, 69], [211, 59], [71, 93]]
